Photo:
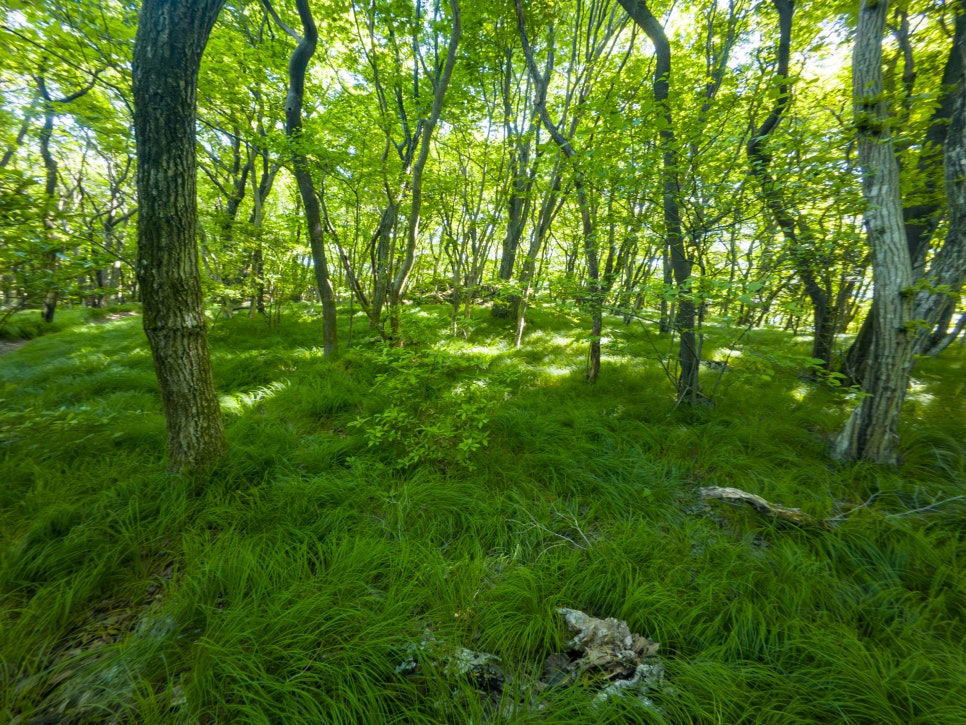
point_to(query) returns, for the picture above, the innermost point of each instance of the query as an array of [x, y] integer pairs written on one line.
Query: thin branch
[[270, 9]]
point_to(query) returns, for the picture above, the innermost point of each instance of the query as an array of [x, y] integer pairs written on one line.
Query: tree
[[922, 211], [908, 299], [297, 66], [441, 83], [602, 30], [171, 38], [797, 232], [686, 320], [50, 187]]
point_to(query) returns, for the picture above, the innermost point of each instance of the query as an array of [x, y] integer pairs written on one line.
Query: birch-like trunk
[[871, 431]]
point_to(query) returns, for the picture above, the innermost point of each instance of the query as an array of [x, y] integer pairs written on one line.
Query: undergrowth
[[458, 491]]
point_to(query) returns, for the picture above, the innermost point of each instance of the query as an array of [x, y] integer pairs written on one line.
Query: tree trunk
[[948, 338], [871, 431], [594, 290], [50, 201], [313, 214], [685, 318], [796, 232], [920, 219], [398, 285], [171, 38]]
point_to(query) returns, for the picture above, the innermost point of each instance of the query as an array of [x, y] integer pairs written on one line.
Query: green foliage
[[291, 585], [440, 407]]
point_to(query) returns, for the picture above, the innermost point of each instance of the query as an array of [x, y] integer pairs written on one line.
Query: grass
[[454, 494]]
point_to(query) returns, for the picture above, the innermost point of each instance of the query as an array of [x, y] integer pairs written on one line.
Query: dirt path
[[114, 317], [11, 345]]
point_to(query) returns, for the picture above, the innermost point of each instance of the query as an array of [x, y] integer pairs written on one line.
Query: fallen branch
[[736, 495]]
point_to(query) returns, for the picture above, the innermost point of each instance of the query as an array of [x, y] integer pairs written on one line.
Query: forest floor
[[404, 535], [11, 345]]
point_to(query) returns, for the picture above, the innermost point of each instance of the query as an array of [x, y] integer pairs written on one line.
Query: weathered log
[[737, 496]]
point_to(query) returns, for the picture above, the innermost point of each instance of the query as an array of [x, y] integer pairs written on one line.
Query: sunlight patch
[[800, 393], [482, 349], [917, 392], [555, 371], [239, 403]]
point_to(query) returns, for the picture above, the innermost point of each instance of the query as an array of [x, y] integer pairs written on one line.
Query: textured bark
[[920, 218], [906, 303], [313, 213], [947, 270], [170, 40], [685, 318], [871, 431], [762, 506]]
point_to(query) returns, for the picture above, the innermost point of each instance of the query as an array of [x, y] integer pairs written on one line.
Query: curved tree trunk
[[171, 38], [685, 317], [797, 234], [51, 203], [594, 290], [313, 214]]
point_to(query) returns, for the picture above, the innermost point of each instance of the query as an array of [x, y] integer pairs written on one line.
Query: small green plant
[[435, 414]]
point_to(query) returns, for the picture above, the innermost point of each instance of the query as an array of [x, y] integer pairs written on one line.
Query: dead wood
[[766, 508]]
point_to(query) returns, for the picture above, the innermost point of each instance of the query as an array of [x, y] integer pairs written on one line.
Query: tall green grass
[[291, 585]]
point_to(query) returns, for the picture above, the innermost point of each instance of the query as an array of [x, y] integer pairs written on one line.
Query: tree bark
[[871, 433], [594, 290], [171, 38], [313, 214], [685, 318], [51, 202], [797, 234], [921, 218]]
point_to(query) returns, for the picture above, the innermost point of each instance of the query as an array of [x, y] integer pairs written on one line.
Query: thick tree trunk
[[922, 218], [170, 40], [871, 431]]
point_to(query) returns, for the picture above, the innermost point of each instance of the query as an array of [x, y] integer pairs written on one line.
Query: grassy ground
[[458, 493]]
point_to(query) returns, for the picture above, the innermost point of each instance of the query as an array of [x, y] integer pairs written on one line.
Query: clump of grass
[[291, 585]]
